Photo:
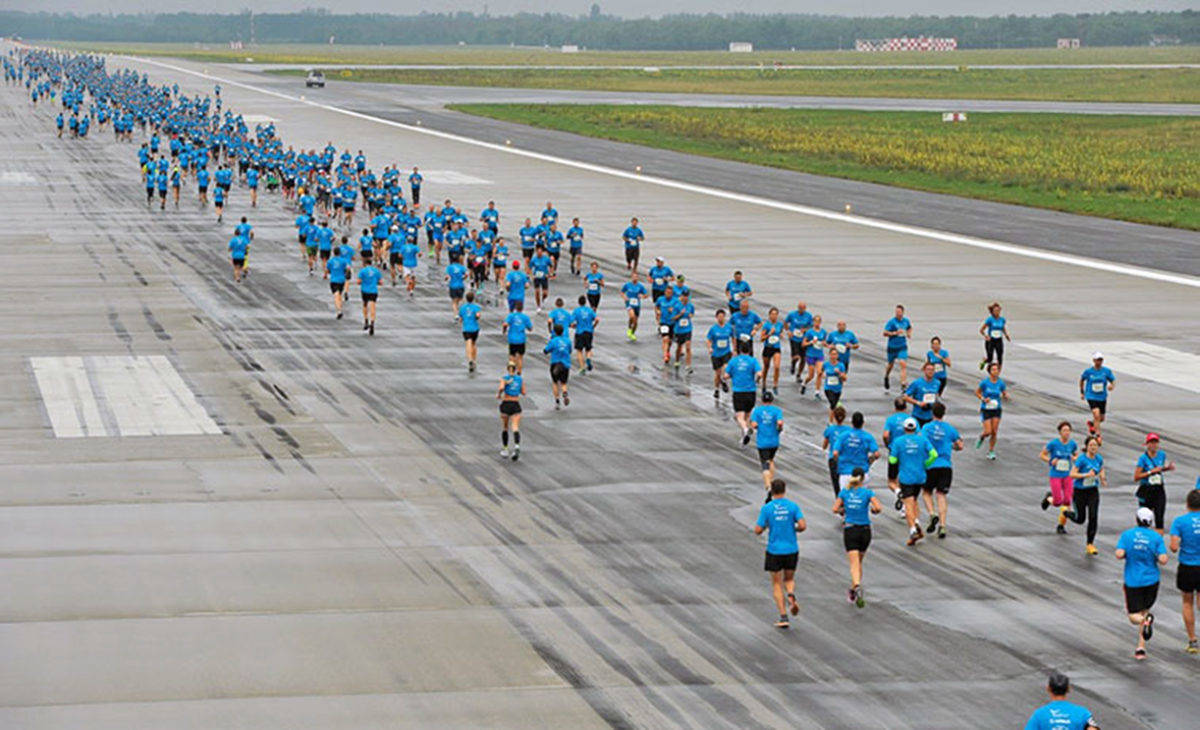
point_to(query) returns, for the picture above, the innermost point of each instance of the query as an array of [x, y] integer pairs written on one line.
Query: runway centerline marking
[[1139, 359], [452, 177], [918, 231]]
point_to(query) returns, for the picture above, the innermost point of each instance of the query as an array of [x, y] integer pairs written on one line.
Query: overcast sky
[[625, 8]]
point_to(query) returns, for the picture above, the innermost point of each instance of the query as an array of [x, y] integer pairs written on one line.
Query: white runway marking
[[118, 396], [453, 177], [1139, 359], [12, 177], [929, 233]]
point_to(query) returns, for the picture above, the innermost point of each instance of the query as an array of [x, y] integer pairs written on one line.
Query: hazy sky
[[626, 8]]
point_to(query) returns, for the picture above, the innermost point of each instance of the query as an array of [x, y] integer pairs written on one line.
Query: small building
[[1068, 43], [570, 48], [741, 47]]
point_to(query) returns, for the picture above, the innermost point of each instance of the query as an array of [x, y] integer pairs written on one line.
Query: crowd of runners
[[358, 227]]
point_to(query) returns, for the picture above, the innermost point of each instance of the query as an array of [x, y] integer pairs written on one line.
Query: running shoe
[[557, 404], [782, 623], [1060, 529], [745, 437], [1139, 654], [724, 386], [339, 315], [589, 364], [899, 504], [803, 388], [795, 605], [982, 363], [1193, 647], [371, 329], [504, 451], [1091, 550], [566, 399], [516, 453], [933, 523], [979, 442], [1148, 627], [991, 455], [887, 383], [941, 532], [860, 597], [1046, 501], [851, 594], [716, 393]]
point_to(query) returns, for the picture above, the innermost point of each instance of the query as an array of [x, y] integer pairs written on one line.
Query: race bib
[[685, 323], [1090, 481], [797, 334], [840, 347], [1098, 387], [594, 286], [1155, 480], [664, 329], [992, 404], [928, 399], [633, 303], [658, 281], [1062, 465], [939, 368], [773, 340], [722, 344], [997, 334], [832, 381]]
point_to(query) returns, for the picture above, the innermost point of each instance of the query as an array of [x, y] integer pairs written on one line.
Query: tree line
[[604, 32]]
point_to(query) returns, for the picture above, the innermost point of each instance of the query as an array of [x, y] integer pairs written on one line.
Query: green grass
[[1136, 168], [317, 54], [1121, 85]]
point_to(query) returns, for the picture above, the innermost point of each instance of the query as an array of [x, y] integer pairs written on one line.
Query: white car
[[314, 78]]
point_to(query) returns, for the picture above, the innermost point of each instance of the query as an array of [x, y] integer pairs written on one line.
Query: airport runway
[[350, 552]]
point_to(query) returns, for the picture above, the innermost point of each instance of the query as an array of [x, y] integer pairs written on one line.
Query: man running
[[897, 330], [922, 394], [584, 321], [539, 269], [1094, 386], [855, 504], [469, 315], [239, 245], [737, 289], [1059, 453], [939, 357], [1185, 540], [661, 276], [558, 347], [1059, 714], [517, 327], [771, 337], [742, 372], [766, 421], [682, 326], [745, 325], [782, 519], [844, 341], [1143, 551], [855, 448], [368, 285], [798, 321], [633, 238], [814, 356], [456, 283], [1149, 473], [893, 428], [575, 241], [720, 339], [633, 291], [834, 377], [940, 475], [515, 283], [914, 454], [338, 269]]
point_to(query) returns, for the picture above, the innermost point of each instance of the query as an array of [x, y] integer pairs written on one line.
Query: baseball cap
[[659, 258], [1151, 437], [516, 264], [910, 424], [1097, 355], [1145, 516]]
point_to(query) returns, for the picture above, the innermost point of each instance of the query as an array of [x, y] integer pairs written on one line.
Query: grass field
[[1179, 85], [317, 54], [1136, 168]]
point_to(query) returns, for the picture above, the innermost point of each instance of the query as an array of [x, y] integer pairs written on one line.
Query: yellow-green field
[[1136, 168]]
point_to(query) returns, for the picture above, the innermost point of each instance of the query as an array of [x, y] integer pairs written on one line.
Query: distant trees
[[599, 31]]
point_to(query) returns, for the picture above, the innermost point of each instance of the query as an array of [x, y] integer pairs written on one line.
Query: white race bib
[[997, 334], [1155, 480], [928, 399], [1062, 465], [939, 368], [1090, 481], [685, 322], [797, 334], [633, 303], [832, 381], [840, 347], [594, 286], [773, 340], [1098, 387], [992, 404], [722, 344], [664, 329], [658, 281]]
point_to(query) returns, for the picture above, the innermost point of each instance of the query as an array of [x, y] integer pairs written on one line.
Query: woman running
[[991, 392], [994, 331], [771, 336], [1148, 473], [512, 387], [1059, 453], [856, 503], [940, 357], [1088, 473]]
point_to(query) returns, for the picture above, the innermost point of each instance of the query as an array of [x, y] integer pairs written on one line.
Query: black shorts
[[655, 294], [516, 349], [910, 490], [769, 351], [203, 189], [938, 478], [682, 337], [1187, 579], [394, 259], [337, 286], [1141, 598], [470, 336], [988, 414], [744, 402], [774, 563], [833, 396], [326, 254], [893, 471], [542, 283], [797, 350], [1098, 405], [583, 341], [367, 256], [767, 454], [856, 537], [559, 373], [162, 192], [239, 262], [631, 255], [368, 296], [719, 361], [457, 293], [510, 407], [593, 300]]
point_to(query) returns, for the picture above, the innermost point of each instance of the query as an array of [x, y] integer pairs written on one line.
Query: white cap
[[1097, 355], [1145, 516], [659, 258], [910, 424]]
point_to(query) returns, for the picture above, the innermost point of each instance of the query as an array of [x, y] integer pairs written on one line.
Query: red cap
[[516, 264], [1151, 437]]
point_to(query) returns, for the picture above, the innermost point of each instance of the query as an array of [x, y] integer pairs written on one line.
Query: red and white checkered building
[[906, 44]]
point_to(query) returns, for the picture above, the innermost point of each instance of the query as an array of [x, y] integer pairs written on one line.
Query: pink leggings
[[1062, 489]]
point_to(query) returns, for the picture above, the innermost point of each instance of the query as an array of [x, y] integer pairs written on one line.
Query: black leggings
[[1087, 507], [993, 347], [833, 477]]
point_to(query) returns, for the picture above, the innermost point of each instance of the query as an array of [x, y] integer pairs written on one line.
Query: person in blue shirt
[[469, 314], [584, 321], [991, 392], [661, 276], [560, 315], [914, 454], [893, 428], [252, 183], [833, 379], [994, 331], [844, 341], [745, 325], [517, 327], [945, 440], [633, 238], [737, 289], [1059, 453], [512, 387], [558, 347], [922, 394], [682, 325], [528, 235], [514, 284], [855, 448], [1094, 386], [325, 243], [575, 243], [539, 269], [720, 351], [366, 246], [897, 330], [633, 291], [1150, 474], [771, 335], [595, 285], [1185, 540], [742, 373], [161, 179], [1088, 475], [766, 421], [855, 503], [410, 255], [814, 356], [499, 261], [797, 322], [239, 245], [1059, 714], [1143, 551], [939, 357], [338, 269], [368, 285], [665, 307], [202, 178], [830, 437], [456, 283], [781, 519], [414, 184]]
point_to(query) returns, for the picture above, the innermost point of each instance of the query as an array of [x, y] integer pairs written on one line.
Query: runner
[[914, 454], [922, 394], [766, 421], [661, 276], [529, 237], [633, 292], [1089, 475], [845, 342], [814, 356], [366, 246], [666, 308], [1094, 386], [771, 336], [469, 314], [517, 326], [893, 428], [515, 283], [940, 358], [558, 347], [897, 330], [1185, 540], [584, 321], [218, 202], [575, 240], [720, 339], [456, 282], [325, 245], [681, 329], [798, 322], [832, 433], [940, 475], [855, 504], [239, 246], [1059, 714], [633, 237], [560, 315], [338, 269], [994, 331], [1059, 453], [737, 289], [368, 285], [743, 375], [553, 244], [499, 261], [834, 377], [539, 268], [745, 325], [782, 518], [1149, 473], [855, 448], [512, 387], [414, 184], [1143, 551], [991, 392], [595, 285]]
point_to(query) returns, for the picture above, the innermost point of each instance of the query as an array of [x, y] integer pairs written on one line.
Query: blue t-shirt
[[994, 326], [1059, 715], [539, 266], [854, 449], [900, 341], [633, 292], [1095, 383], [939, 362], [779, 518], [409, 253], [469, 314], [773, 331], [814, 339], [797, 323], [633, 237], [991, 392], [721, 337], [518, 325], [337, 267], [517, 281], [560, 316], [684, 318], [1083, 465], [594, 280], [238, 246], [584, 319], [1060, 457], [512, 384], [767, 420], [368, 279], [1142, 547], [575, 236], [735, 289], [925, 393], [832, 433], [744, 324], [1187, 528], [910, 452], [660, 276], [742, 370], [942, 437], [833, 383], [894, 426], [1145, 462], [457, 274], [840, 341], [857, 503], [559, 350]]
